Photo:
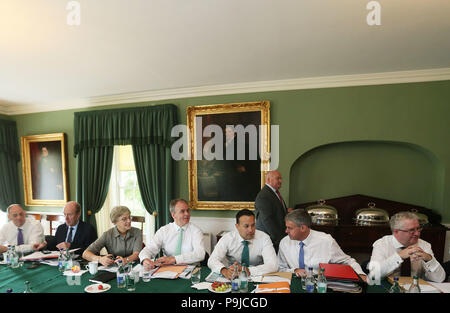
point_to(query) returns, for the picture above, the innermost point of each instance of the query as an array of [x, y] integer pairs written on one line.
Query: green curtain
[[148, 128], [9, 156], [94, 173], [155, 176]]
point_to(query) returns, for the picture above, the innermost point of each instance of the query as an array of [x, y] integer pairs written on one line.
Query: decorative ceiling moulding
[[400, 77]]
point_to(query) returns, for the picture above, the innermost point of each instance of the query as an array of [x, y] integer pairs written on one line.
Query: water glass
[[146, 276], [131, 279], [195, 276]]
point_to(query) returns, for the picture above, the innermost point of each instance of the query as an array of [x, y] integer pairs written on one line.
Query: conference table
[[47, 279]]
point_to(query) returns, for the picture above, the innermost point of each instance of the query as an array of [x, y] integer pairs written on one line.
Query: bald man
[[271, 209], [74, 233], [26, 234]]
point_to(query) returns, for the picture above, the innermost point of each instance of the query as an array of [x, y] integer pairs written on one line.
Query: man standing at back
[[74, 233], [271, 209]]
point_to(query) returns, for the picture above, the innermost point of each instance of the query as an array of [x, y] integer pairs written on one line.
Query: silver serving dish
[[371, 216], [322, 214], [423, 219]]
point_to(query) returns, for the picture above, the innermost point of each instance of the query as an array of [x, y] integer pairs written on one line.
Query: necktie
[[405, 268], [69, 238], [301, 257], [179, 242], [245, 258], [20, 237], [281, 198]]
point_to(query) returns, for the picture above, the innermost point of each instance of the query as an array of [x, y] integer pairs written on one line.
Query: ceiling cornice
[[239, 88]]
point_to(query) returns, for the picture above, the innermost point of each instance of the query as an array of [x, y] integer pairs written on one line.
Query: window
[[124, 190]]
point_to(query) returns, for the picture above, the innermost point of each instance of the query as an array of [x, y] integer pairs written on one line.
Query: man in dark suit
[[271, 209], [74, 233]]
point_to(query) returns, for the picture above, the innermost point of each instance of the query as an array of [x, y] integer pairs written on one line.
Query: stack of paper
[[344, 287], [169, 271], [278, 287]]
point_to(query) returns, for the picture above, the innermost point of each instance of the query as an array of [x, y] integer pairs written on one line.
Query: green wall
[[417, 114]]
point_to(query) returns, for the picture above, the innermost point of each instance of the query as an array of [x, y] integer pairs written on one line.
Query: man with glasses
[[403, 253]]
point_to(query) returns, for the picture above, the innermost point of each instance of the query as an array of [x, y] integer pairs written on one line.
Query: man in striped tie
[[26, 234]]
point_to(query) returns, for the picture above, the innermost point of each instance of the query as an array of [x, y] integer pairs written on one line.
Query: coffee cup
[[92, 267]]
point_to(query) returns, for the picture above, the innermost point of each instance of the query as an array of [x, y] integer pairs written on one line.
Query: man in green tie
[[245, 245], [181, 241]]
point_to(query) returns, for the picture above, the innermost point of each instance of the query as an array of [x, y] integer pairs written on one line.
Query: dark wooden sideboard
[[355, 239]]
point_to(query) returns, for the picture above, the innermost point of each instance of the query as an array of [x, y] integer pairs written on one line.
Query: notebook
[[340, 272]]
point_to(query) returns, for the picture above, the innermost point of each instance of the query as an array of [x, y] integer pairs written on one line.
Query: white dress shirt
[[319, 247], [228, 250], [385, 253], [32, 231], [166, 238]]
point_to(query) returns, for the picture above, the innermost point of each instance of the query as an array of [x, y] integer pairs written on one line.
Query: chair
[[140, 219], [54, 218]]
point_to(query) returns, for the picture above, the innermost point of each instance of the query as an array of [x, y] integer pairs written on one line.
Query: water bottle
[[27, 287], [121, 282], [8, 256], [321, 282], [244, 280], [14, 257], [69, 261], [395, 288], [414, 288], [310, 281], [61, 261], [235, 281]]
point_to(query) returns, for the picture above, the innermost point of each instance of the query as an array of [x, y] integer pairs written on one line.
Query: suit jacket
[[270, 215], [83, 238]]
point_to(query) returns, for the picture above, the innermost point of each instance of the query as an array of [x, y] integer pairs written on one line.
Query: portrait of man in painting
[[236, 174], [46, 170]]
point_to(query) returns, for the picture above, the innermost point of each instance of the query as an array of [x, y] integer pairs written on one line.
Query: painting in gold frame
[[44, 170], [227, 184]]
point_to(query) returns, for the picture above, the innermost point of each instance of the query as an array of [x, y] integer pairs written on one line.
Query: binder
[[340, 272], [103, 277]]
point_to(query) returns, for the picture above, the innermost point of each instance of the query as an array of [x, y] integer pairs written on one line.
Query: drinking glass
[[195, 276]]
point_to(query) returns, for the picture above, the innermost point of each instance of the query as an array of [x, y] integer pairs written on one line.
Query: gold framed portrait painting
[[228, 147], [44, 170]]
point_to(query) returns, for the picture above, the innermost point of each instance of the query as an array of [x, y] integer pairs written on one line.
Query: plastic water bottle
[[69, 261], [8, 256], [310, 281], [61, 261], [14, 257], [395, 288], [244, 280], [414, 288], [121, 275], [235, 281], [322, 282]]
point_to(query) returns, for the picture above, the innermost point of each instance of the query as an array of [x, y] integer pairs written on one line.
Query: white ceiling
[[143, 47]]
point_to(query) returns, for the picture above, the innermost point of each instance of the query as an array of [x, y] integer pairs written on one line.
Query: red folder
[[339, 272]]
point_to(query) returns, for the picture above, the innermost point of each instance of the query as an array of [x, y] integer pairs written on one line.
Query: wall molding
[[399, 77]]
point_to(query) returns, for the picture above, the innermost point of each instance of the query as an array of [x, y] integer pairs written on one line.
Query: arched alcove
[[390, 170]]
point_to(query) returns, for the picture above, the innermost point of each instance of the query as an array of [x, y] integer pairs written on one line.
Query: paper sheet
[[423, 288], [38, 255], [444, 287]]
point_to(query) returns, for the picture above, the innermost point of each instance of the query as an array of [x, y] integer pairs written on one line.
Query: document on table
[[273, 277], [213, 276], [38, 255], [444, 287], [169, 271]]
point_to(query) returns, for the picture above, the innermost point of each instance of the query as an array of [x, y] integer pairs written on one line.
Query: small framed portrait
[[44, 170], [228, 144]]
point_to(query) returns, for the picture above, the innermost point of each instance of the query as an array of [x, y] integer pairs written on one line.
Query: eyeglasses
[[412, 231]]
